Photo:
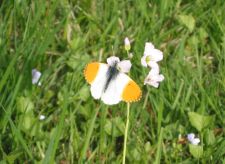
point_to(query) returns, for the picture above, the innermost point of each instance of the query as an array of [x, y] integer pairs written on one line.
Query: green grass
[[60, 37]]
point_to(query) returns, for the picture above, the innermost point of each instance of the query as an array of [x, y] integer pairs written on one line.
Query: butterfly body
[[111, 74], [111, 85]]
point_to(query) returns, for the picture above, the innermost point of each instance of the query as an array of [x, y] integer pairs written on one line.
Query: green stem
[[102, 132], [126, 131], [127, 53]]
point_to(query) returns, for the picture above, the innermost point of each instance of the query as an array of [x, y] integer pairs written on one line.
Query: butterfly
[[110, 83]]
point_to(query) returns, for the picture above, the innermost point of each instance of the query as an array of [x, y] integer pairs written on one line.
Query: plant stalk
[[126, 131]]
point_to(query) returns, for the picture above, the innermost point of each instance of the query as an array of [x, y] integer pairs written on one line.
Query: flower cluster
[[150, 58], [191, 138]]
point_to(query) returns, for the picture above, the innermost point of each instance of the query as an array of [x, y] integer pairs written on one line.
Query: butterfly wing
[[131, 92], [112, 94], [95, 75], [121, 88]]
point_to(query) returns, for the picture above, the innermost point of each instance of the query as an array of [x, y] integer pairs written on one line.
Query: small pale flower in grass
[[191, 138], [154, 78], [123, 66], [127, 44], [130, 55], [151, 55], [36, 75], [42, 117]]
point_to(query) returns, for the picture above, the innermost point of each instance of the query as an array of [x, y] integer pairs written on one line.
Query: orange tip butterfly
[[111, 85]]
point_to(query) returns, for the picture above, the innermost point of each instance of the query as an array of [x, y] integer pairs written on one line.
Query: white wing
[[97, 86], [113, 93]]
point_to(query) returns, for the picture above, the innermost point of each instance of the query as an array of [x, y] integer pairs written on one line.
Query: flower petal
[[35, 76], [195, 141], [151, 82], [155, 84], [143, 61], [154, 71], [154, 78], [127, 44], [153, 65], [156, 55], [112, 60], [190, 137], [148, 47], [42, 117], [160, 78], [127, 41], [124, 66]]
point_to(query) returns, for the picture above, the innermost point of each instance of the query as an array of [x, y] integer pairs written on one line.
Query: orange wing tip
[[90, 71], [131, 92]]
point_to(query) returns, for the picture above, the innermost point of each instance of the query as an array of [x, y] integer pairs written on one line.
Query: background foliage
[[60, 37]]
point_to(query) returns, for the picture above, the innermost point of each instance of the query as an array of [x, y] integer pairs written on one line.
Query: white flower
[[151, 55], [42, 117], [123, 66], [191, 138], [154, 78], [127, 44], [36, 75]]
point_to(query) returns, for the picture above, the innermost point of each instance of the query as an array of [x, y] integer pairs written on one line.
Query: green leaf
[[193, 41], [220, 150], [209, 137], [3, 162], [84, 93], [114, 127], [202, 34], [76, 60], [49, 94], [135, 154], [36, 130], [20, 138], [13, 156], [196, 151], [25, 105], [188, 21], [147, 147], [27, 121], [200, 122]]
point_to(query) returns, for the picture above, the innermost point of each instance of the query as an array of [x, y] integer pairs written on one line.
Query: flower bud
[[127, 44]]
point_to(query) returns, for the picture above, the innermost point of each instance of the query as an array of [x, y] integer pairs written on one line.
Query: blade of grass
[[51, 150], [102, 131], [159, 148], [19, 136], [88, 137], [178, 95]]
